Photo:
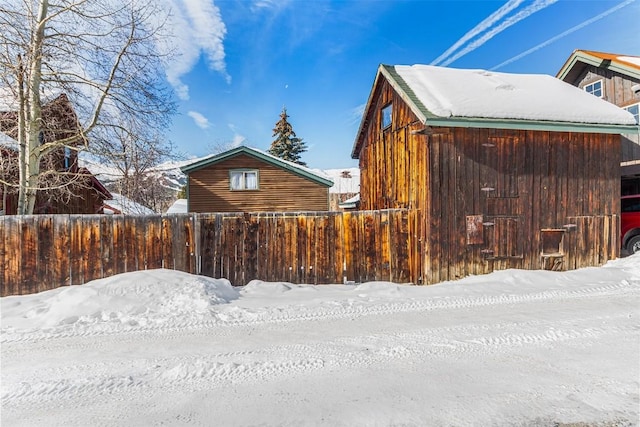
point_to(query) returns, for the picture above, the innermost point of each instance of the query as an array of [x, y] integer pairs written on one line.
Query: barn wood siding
[[279, 190], [41, 252], [524, 185], [393, 168], [616, 86]]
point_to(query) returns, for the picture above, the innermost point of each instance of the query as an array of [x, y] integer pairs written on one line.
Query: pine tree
[[287, 145]]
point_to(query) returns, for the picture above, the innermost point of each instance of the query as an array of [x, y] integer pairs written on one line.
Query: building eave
[[580, 56], [551, 126]]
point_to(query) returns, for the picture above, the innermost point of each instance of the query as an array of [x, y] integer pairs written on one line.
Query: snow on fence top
[[451, 92]]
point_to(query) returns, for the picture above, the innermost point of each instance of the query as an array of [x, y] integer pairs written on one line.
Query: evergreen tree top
[[287, 145], [283, 127]]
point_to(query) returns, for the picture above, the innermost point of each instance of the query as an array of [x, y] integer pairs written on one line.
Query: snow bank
[[141, 298]]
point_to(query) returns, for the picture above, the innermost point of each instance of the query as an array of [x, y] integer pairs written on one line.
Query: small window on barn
[[633, 109], [595, 88], [243, 179], [386, 116]]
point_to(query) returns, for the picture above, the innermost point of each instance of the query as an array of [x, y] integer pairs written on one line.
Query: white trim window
[[243, 179], [596, 88], [634, 109]]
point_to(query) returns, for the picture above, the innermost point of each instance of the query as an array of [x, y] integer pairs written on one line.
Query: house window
[[67, 157], [594, 88], [633, 109], [386, 116], [243, 179]]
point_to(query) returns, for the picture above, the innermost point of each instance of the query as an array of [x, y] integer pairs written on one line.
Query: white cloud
[[268, 5], [195, 28], [237, 140], [201, 121]]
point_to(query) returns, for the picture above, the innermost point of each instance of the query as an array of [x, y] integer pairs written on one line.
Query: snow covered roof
[[442, 92], [295, 168], [7, 141], [350, 203], [627, 65], [345, 180], [125, 206], [179, 206]]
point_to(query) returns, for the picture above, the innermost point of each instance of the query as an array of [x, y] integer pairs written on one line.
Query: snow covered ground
[[159, 347]]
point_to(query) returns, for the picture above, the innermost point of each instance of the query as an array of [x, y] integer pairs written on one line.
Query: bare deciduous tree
[[102, 55]]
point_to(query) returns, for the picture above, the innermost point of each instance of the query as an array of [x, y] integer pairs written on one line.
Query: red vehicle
[[630, 223]]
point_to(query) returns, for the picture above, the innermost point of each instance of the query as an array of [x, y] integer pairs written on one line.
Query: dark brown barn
[[79, 191], [508, 171], [248, 180]]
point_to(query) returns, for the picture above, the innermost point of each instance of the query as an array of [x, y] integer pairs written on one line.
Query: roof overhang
[[580, 59], [550, 126], [259, 155]]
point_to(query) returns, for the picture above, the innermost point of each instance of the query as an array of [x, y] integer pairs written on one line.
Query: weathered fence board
[[44, 252]]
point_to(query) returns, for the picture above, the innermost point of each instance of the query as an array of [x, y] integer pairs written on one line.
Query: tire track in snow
[[294, 314], [215, 370]]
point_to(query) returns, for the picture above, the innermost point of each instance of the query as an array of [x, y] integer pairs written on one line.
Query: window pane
[[594, 88], [251, 180], [386, 116], [634, 109], [236, 180]]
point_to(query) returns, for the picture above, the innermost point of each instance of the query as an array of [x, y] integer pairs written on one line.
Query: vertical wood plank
[[348, 250], [61, 244], [250, 249], [119, 244], [153, 241], [76, 250], [312, 249], [338, 248], [91, 259], [106, 244], [12, 277], [46, 255], [207, 243], [29, 255]]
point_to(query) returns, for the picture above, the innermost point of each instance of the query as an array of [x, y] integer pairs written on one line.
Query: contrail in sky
[[482, 26], [566, 33], [536, 6]]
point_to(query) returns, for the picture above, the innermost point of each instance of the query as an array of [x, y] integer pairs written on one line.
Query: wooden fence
[[41, 252]]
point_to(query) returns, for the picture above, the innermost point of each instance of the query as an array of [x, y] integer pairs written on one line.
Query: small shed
[[507, 170], [246, 179]]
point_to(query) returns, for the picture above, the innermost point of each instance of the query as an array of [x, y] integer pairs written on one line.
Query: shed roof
[[476, 98], [628, 65], [260, 155]]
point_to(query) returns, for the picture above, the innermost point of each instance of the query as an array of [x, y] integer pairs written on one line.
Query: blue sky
[[244, 60]]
